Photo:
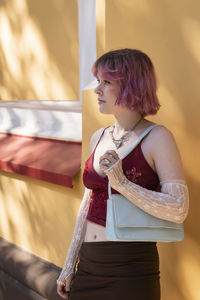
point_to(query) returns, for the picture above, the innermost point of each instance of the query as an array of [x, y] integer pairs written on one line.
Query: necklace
[[118, 143]]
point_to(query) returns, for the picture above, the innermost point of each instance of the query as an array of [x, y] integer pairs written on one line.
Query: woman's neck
[[125, 121]]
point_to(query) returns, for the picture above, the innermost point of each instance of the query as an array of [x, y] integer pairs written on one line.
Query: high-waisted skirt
[[117, 270]]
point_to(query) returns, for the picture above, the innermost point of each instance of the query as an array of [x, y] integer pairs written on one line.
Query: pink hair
[[135, 73]]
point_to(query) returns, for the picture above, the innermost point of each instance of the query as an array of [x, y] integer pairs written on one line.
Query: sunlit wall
[[39, 50], [38, 216]]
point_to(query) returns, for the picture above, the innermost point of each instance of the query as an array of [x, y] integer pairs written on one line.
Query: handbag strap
[[131, 148]]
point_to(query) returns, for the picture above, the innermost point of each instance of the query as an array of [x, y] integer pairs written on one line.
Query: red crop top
[[136, 169]]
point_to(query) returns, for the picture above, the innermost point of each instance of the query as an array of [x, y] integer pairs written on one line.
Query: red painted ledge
[[45, 159]]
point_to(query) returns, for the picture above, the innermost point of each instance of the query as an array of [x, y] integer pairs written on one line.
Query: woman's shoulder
[[165, 153], [160, 132], [160, 138]]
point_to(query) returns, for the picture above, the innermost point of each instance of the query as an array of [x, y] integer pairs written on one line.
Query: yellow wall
[[38, 216], [39, 50]]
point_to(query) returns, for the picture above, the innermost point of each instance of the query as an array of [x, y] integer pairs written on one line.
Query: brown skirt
[[117, 270]]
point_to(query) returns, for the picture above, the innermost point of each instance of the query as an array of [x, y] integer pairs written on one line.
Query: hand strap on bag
[[131, 148]]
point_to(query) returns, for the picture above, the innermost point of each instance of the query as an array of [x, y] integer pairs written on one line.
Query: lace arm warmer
[[170, 204], [77, 239]]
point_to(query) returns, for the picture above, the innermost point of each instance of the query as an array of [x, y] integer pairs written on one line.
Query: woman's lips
[[101, 101]]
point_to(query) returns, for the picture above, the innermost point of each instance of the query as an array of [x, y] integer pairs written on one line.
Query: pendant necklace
[[118, 143]]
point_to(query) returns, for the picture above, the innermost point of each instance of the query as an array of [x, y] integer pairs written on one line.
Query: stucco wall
[[38, 216], [39, 50]]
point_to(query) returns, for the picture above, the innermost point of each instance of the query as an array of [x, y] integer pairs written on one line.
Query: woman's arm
[[77, 239], [172, 202]]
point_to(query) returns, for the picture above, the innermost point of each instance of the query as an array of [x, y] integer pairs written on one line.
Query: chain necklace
[[118, 143]]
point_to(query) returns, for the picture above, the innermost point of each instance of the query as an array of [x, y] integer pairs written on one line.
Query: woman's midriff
[[94, 233]]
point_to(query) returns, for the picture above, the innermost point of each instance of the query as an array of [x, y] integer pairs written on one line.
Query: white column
[[87, 42]]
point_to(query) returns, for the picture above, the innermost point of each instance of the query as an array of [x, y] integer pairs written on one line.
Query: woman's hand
[[111, 165], [63, 290], [107, 160]]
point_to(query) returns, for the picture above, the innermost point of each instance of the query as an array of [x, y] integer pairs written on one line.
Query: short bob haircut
[[135, 73]]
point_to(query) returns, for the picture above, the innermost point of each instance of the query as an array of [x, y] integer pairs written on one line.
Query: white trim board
[[52, 124], [44, 105]]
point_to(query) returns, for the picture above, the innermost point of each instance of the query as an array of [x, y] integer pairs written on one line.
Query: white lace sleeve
[[170, 204], [77, 239]]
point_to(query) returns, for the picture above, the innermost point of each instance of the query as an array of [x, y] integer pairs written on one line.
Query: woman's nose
[[98, 90]]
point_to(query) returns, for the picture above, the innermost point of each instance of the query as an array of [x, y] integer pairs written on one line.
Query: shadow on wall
[[39, 50], [38, 216]]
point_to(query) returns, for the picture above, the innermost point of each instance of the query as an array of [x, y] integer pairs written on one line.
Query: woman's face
[[107, 92]]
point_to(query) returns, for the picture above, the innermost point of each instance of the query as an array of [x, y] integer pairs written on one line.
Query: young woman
[[124, 270]]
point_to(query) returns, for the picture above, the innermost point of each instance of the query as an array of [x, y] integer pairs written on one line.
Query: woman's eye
[[106, 82], [103, 81]]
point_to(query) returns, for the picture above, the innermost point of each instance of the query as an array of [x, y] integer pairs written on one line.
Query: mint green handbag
[[127, 222]]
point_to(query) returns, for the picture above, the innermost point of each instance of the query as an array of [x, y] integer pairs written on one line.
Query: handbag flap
[[127, 214]]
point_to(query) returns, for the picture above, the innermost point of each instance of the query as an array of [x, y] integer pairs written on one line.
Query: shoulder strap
[[99, 139], [138, 140]]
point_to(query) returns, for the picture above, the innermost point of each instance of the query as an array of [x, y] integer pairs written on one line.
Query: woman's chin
[[104, 111]]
